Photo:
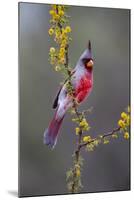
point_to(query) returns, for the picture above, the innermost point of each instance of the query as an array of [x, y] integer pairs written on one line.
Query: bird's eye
[[85, 60]]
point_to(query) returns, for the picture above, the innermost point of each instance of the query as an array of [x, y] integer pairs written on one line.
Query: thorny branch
[[101, 137]]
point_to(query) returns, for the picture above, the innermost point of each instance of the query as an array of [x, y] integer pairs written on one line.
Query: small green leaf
[[115, 136], [106, 141]]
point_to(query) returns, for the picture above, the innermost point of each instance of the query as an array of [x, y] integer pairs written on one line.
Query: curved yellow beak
[[90, 63]]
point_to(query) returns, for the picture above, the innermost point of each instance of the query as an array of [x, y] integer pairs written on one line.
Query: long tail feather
[[51, 133]]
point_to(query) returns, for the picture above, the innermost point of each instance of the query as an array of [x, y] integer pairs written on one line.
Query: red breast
[[84, 87]]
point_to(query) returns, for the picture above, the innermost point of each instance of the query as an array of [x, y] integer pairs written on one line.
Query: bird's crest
[[89, 45]]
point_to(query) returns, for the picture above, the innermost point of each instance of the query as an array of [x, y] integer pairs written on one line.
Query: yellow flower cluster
[[52, 50], [61, 37], [77, 170], [52, 54], [106, 141], [60, 32], [86, 138], [121, 123], [114, 135], [77, 130], [51, 31], [124, 122], [57, 12], [84, 125], [57, 68], [126, 135]]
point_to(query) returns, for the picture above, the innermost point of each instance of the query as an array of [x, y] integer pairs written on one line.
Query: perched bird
[[82, 82]]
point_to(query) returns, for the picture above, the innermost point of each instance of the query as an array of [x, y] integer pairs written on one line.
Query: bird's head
[[86, 58], [88, 63]]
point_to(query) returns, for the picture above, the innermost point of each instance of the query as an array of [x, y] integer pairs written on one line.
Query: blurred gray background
[[42, 171]]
